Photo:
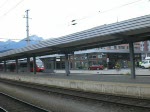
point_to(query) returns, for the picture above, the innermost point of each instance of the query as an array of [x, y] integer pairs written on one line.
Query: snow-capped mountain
[[9, 45]]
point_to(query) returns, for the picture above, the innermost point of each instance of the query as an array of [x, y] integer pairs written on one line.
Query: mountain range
[[9, 45]]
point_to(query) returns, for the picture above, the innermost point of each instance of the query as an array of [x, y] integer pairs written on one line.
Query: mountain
[[33, 38], [9, 45], [5, 46]]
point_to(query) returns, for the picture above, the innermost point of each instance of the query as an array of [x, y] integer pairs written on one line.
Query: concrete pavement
[[138, 71]]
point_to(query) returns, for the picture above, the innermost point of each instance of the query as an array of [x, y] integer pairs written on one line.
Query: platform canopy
[[132, 30]]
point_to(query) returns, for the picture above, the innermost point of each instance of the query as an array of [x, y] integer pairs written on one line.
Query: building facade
[[86, 58], [145, 47]]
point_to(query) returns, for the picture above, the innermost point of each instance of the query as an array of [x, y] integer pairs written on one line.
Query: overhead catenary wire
[[8, 11], [11, 9], [4, 3], [111, 9], [121, 6]]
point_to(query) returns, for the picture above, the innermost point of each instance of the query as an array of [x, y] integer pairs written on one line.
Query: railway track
[[11, 104], [139, 105], [2, 110]]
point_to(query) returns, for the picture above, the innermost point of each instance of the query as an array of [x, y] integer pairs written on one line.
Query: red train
[[22, 66]]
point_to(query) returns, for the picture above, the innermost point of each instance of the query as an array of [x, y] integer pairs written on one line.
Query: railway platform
[[115, 84]]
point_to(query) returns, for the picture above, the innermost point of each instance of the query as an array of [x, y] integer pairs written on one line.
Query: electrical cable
[[1, 6], [121, 6], [11, 9], [111, 9]]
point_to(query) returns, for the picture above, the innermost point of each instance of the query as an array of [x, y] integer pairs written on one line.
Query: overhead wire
[[121, 6], [17, 4], [1, 6], [11, 9], [114, 8]]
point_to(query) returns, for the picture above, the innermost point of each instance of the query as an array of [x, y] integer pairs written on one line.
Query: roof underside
[[133, 30]]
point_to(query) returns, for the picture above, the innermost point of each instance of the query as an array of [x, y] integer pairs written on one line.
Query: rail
[[134, 103], [12, 104]]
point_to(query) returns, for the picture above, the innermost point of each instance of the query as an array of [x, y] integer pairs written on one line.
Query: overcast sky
[[52, 18]]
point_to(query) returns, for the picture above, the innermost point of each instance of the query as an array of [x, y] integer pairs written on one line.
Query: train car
[[22, 66], [1, 66], [10, 66]]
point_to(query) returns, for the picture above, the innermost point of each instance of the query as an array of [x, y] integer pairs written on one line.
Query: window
[[145, 62], [23, 64], [121, 47], [94, 56], [112, 47]]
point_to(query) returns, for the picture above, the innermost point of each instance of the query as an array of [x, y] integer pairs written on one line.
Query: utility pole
[[27, 27]]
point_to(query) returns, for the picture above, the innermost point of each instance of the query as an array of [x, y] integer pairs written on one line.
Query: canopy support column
[[34, 64], [5, 66], [132, 60], [16, 65], [88, 65], [53, 64], [73, 61], [67, 64], [28, 64]]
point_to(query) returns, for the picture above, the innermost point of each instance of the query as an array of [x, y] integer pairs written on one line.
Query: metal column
[[87, 55], [52, 65], [28, 64], [60, 62], [132, 60], [34, 64], [5, 66], [16, 65], [67, 64], [73, 61]]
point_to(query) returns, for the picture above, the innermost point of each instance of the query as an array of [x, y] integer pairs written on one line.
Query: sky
[[52, 18]]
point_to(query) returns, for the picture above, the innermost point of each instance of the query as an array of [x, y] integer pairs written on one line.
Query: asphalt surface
[[99, 77], [122, 78], [93, 76]]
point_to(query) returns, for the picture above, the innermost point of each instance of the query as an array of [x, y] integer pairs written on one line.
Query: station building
[[83, 59], [107, 56]]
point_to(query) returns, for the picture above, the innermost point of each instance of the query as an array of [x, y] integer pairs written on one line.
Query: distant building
[[145, 47], [107, 56], [123, 47]]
